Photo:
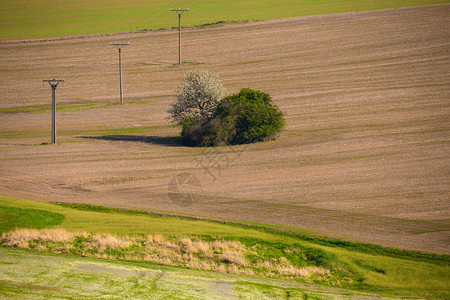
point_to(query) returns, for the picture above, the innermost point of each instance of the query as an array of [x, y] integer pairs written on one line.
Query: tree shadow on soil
[[172, 141]]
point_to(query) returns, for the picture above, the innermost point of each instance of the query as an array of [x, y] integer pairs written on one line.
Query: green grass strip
[[366, 248], [66, 107], [12, 217]]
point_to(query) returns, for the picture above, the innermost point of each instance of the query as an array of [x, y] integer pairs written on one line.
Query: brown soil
[[364, 156]]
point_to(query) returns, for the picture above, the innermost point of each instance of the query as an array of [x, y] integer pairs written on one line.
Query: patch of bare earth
[[364, 156]]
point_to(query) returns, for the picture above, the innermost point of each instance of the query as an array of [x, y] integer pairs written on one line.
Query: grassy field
[[385, 271], [29, 19], [113, 279]]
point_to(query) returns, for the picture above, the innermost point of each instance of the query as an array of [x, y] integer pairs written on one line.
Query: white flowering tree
[[197, 96]]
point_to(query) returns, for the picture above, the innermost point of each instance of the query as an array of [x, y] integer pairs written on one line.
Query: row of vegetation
[[218, 255], [372, 249], [210, 118]]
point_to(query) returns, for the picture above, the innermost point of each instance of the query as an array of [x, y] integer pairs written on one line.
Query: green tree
[[246, 117]]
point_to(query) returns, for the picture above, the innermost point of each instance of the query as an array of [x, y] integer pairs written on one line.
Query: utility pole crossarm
[[180, 10], [120, 45], [53, 82]]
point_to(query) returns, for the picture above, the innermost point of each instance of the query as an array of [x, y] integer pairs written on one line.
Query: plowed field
[[364, 155]]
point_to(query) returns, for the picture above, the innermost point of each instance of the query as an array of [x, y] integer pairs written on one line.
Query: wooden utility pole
[[120, 46], [179, 12], [54, 84]]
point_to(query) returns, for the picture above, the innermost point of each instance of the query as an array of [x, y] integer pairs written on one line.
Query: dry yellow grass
[[301, 272], [227, 245], [21, 237], [233, 257], [219, 255], [149, 238], [104, 241], [56, 235], [284, 267], [186, 242], [203, 247], [157, 238], [221, 269]]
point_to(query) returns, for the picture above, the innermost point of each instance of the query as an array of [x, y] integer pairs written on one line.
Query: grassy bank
[[225, 248], [30, 275], [31, 19]]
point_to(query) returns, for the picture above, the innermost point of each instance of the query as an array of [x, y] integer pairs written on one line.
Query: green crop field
[[356, 267], [30, 19]]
